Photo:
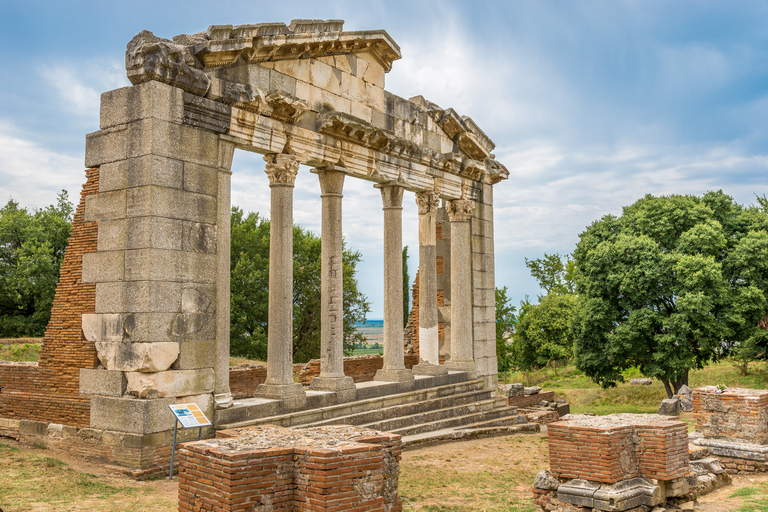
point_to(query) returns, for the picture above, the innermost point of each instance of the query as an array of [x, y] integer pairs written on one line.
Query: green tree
[[505, 326], [669, 286], [250, 291], [553, 275], [543, 331], [32, 247]]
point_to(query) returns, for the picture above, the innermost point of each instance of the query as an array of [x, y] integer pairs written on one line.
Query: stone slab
[[137, 357], [172, 383], [734, 449], [102, 382], [131, 415]]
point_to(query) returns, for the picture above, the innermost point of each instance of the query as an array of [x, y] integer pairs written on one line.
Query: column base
[[344, 387], [462, 366], [427, 368], [223, 400], [293, 394], [402, 375]]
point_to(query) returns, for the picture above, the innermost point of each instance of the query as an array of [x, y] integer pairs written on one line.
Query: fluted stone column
[[459, 214], [222, 394], [282, 170], [331, 376], [394, 369], [429, 356]]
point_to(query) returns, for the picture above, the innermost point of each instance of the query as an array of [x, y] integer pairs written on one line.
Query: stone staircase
[[450, 408]]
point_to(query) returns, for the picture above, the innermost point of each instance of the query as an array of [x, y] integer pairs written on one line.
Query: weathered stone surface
[[578, 492], [669, 407], [107, 327], [533, 390], [685, 390], [734, 449], [102, 382], [641, 382], [169, 383], [131, 415], [137, 357], [545, 480], [686, 404], [515, 389], [627, 494]]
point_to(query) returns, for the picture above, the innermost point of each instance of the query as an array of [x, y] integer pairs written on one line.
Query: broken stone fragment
[[533, 390], [685, 390], [137, 357], [669, 407], [641, 382], [545, 480], [513, 389], [686, 404]]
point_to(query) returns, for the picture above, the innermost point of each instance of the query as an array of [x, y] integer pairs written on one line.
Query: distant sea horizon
[[371, 322]]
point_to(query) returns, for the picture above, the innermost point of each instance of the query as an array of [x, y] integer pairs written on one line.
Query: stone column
[[331, 376], [459, 213], [222, 394], [282, 170], [429, 357], [394, 369]]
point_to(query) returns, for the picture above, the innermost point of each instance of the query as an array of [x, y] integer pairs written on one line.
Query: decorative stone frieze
[[281, 169], [460, 209], [427, 202]]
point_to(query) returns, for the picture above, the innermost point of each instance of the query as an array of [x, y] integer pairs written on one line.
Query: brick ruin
[[272, 468], [622, 462]]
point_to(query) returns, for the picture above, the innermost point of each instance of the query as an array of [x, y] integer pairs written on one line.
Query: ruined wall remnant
[[272, 468]]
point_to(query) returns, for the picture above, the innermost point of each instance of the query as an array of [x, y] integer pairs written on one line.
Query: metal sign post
[[190, 416]]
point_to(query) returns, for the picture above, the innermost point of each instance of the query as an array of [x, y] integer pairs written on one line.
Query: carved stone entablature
[[302, 38], [276, 104], [349, 127], [472, 169], [461, 129], [427, 201], [447, 162], [148, 57], [281, 168], [495, 171], [460, 209]]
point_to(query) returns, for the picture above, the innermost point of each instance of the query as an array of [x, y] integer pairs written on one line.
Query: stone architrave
[[331, 376], [459, 214], [282, 170], [394, 369], [429, 353], [222, 394]]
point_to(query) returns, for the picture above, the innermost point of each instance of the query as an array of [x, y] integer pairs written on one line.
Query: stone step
[[448, 411], [258, 411], [407, 409], [450, 434], [457, 421]]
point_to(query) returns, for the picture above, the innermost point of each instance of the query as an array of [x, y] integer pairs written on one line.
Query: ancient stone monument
[[155, 264]]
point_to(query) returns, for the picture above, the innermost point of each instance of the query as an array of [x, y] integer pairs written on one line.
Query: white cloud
[[33, 175]]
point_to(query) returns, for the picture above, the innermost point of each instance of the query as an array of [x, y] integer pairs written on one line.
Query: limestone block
[[373, 72], [170, 203], [170, 383], [446, 145], [105, 206], [131, 415], [199, 237], [140, 233], [353, 87], [199, 147], [670, 407], [345, 63], [515, 389], [199, 268], [154, 265], [577, 492], [298, 69], [328, 100], [381, 120], [198, 178], [137, 357], [102, 382], [325, 77], [361, 111], [641, 382], [303, 92], [103, 266], [282, 82], [107, 327], [533, 390], [150, 99], [138, 296], [106, 146], [194, 354], [140, 171]]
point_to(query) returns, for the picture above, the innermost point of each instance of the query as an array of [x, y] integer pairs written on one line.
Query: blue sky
[[591, 104]]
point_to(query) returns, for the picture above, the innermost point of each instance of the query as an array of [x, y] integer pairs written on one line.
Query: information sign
[[190, 415]]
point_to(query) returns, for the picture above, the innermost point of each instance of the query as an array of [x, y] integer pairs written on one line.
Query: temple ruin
[[142, 313]]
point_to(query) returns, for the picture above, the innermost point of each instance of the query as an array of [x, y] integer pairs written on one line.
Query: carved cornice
[[275, 104], [460, 209], [495, 171], [282, 168], [428, 202], [349, 127]]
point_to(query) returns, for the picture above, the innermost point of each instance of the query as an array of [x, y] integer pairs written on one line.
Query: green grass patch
[[756, 498], [19, 353]]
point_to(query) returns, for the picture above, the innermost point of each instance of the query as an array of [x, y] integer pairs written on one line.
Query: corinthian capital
[[460, 209], [428, 202], [281, 168]]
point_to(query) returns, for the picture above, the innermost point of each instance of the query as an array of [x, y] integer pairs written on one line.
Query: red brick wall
[[738, 414], [360, 368], [243, 380], [610, 453], [49, 390]]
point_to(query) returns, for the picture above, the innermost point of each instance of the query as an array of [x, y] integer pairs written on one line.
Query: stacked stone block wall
[[49, 391], [615, 448], [355, 476], [735, 414]]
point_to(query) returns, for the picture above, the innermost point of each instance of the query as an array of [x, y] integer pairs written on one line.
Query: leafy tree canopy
[[250, 291], [553, 275], [32, 246], [669, 286], [505, 326], [543, 331]]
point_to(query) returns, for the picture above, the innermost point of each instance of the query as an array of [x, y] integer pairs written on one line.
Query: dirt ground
[[513, 459]]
